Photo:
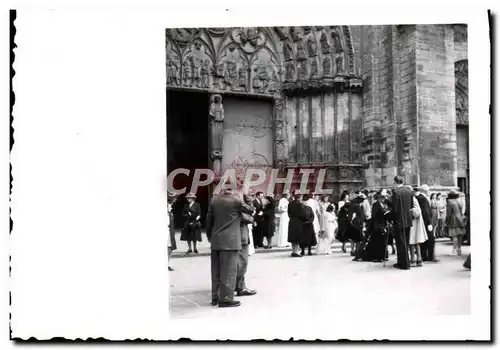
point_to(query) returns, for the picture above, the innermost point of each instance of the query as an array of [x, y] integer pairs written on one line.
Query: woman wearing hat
[[343, 219], [454, 223], [375, 248], [192, 225]]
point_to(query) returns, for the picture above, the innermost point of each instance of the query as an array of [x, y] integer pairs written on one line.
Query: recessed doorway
[[187, 144]]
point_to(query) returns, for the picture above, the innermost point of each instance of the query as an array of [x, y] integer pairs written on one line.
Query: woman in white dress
[[418, 233], [282, 239], [251, 248], [325, 203], [328, 230]]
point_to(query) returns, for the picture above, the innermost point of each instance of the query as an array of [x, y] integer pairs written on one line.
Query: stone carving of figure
[[216, 108], [314, 67], [242, 77], [325, 46], [273, 84], [339, 62], [173, 77], [217, 128], [327, 66], [196, 65], [288, 52], [281, 33], [205, 74], [337, 46], [302, 70], [307, 30], [256, 84], [294, 33], [290, 71], [312, 47], [186, 74], [301, 52], [261, 79], [230, 73], [250, 34], [219, 75]]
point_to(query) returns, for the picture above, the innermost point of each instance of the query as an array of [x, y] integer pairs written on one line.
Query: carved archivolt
[[462, 91], [260, 60]]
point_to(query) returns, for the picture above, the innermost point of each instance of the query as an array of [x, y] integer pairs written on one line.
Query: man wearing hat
[[224, 234], [427, 248], [192, 225]]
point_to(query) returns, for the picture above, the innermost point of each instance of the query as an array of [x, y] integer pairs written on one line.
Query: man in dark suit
[[296, 213], [241, 288], [223, 232], [402, 202], [427, 248]]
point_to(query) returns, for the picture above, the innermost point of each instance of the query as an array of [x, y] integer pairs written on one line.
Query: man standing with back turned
[[402, 202], [223, 232]]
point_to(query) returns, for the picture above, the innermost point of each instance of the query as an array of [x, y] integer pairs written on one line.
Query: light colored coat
[[418, 232]]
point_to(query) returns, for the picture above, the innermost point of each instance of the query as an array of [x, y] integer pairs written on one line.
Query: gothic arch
[[202, 60]]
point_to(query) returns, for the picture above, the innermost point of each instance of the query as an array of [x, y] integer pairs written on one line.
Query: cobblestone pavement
[[331, 284]]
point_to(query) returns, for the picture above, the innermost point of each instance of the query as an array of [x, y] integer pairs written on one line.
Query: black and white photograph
[[383, 110], [251, 172]]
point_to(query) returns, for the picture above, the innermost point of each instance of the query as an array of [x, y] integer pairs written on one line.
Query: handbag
[[196, 224], [246, 218]]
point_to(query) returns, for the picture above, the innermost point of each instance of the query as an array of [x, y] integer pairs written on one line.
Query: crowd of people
[[407, 219]]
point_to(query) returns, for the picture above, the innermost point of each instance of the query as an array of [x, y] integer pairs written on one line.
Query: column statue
[[217, 129]]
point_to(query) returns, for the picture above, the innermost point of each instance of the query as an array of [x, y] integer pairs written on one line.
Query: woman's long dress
[[343, 222], [418, 232], [325, 240], [325, 205], [313, 204], [308, 236], [454, 220], [192, 225], [282, 240], [268, 222], [375, 248]]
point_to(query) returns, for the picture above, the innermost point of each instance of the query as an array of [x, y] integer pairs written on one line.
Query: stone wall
[[409, 102], [436, 105]]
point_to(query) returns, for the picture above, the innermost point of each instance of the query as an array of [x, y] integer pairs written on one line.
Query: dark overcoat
[[296, 213], [402, 202], [425, 207], [224, 221], [308, 237], [268, 224], [192, 227], [355, 232]]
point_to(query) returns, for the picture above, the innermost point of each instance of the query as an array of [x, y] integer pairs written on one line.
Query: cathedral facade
[[365, 103]]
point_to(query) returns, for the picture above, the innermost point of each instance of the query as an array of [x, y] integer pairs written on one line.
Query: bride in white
[[282, 239]]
